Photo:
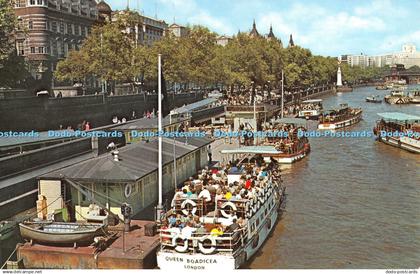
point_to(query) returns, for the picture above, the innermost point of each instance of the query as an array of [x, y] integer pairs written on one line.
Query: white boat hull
[[290, 160], [181, 262], [405, 143]]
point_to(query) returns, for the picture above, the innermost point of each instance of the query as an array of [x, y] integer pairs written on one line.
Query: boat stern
[[183, 261]]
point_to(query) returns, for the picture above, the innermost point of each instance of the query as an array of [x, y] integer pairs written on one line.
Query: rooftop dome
[[103, 7]]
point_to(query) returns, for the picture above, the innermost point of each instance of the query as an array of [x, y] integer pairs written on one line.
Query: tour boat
[[247, 223], [286, 137], [339, 118], [373, 99], [397, 97], [400, 130], [310, 109], [414, 97]]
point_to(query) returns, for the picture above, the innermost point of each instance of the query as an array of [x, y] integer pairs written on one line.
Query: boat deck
[[139, 253]]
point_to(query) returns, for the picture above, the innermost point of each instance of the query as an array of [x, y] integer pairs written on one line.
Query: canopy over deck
[[194, 106], [252, 150], [311, 101], [398, 116]]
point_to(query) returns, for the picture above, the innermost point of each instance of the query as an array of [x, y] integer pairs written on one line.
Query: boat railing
[[200, 242], [195, 206]]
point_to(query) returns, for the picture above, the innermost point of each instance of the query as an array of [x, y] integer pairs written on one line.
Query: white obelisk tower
[[339, 82]]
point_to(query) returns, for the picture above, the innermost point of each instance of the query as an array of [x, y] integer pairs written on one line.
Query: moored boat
[[60, 233], [382, 87], [310, 109], [414, 97], [400, 130], [339, 118], [397, 97], [373, 99], [224, 230], [287, 140]]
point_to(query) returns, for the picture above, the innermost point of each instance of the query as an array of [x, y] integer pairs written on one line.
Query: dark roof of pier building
[[135, 161]]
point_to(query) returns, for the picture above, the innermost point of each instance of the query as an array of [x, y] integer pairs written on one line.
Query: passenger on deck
[[205, 194]]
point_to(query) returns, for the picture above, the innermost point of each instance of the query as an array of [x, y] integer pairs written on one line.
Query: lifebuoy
[[232, 205], [128, 189], [205, 250], [185, 211], [180, 248]]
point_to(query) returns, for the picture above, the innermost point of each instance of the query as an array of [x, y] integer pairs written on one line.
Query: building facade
[[146, 30], [408, 57], [178, 30], [49, 29]]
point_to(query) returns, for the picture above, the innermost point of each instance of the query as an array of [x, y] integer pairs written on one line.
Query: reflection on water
[[353, 203]]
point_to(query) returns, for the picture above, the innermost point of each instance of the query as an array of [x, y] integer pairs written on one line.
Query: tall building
[[147, 29], [408, 57], [223, 40], [178, 30], [291, 43], [254, 33], [49, 29]]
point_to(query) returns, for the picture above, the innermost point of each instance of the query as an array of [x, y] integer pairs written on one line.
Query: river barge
[[399, 130], [342, 117]]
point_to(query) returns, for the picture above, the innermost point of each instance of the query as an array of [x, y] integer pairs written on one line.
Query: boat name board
[[172, 261]]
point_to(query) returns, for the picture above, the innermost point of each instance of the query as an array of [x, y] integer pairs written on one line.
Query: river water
[[352, 203]]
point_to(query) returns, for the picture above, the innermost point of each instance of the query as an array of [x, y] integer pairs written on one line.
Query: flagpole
[[282, 93], [159, 206]]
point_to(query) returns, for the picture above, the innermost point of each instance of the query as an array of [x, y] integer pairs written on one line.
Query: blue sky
[[326, 27]]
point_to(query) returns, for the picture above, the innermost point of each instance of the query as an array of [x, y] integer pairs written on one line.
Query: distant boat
[[339, 118], [383, 87], [373, 99], [55, 233], [399, 130], [397, 97], [414, 97], [310, 109]]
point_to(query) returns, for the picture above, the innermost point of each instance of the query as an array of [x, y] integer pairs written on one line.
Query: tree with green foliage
[[7, 27]]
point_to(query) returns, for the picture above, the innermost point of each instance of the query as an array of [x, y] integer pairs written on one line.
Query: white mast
[[282, 93], [159, 206]]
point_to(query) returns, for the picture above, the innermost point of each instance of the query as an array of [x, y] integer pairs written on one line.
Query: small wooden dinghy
[[56, 233]]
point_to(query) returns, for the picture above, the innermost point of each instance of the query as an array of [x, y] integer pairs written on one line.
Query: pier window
[[31, 2], [32, 49], [30, 24]]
